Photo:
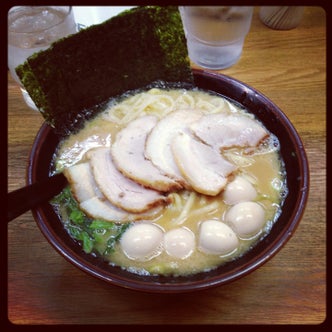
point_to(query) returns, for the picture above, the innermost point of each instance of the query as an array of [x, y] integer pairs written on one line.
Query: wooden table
[[43, 288]]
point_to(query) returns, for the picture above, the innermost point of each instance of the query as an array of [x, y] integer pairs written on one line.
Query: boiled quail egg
[[179, 242], [239, 190], [215, 237], [246, 218], [142, 241]]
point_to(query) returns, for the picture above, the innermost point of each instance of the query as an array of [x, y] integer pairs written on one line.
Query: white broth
[[179, 234]]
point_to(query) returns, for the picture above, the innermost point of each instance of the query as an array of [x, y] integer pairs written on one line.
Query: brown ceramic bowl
[[292, 152]]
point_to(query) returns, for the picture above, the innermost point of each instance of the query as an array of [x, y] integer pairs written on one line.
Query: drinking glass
[[32, 29], [215, 34]]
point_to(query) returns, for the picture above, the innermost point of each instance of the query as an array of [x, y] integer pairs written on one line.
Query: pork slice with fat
[[158, 143], [92, 201], [128, 156], [81, 181], [117, 188], [102, 209], [224, 131], [204, 168]]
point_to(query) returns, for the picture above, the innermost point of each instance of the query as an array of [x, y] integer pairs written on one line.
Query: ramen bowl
[[297, 177]]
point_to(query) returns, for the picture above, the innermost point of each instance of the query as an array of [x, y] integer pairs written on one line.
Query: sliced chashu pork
[[92, 201], [128, 155], [223, 131], [158, 143], [202, 166], [102, 209], [81, 181], [117, 188]]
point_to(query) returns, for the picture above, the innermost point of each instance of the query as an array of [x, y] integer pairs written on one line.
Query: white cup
[[215, 34], [281, 17], [32, 29]]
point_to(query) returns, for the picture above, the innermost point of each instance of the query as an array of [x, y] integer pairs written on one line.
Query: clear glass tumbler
[[32, 29], [215, 34]]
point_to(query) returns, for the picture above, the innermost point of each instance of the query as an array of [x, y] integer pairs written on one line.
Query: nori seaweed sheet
[[74, 77]]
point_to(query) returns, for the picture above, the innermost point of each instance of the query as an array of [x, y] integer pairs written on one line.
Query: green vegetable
[[72, 80], [95, 235]]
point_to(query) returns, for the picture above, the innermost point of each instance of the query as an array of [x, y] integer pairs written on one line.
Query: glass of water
[[32, 29], [215, 34]]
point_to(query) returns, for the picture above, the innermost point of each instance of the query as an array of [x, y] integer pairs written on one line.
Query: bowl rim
[[85, 262]]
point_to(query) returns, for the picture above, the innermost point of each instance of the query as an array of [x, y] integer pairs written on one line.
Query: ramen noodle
[[190, 227]]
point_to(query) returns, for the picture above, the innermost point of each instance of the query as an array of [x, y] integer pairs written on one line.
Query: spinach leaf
[[95, 235]]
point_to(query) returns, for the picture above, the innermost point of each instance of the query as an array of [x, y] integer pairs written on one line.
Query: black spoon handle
[[26, 198]]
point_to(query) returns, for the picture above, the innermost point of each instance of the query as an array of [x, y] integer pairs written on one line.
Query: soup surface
[[211, 217]]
